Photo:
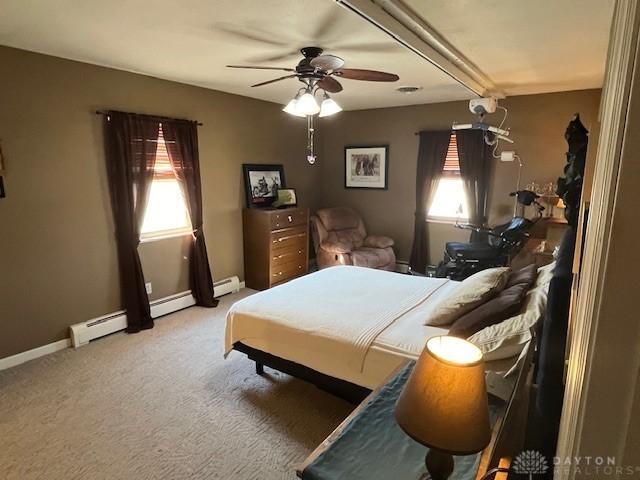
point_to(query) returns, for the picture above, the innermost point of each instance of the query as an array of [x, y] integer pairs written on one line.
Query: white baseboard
[[170, 304], [159, 308], [34, 353]]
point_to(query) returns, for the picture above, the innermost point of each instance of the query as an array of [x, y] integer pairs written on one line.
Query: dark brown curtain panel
[[475, 160], [181, 137], [431, 156], [131, 143]]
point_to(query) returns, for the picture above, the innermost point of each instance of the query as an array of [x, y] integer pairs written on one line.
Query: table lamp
[[444, 403]]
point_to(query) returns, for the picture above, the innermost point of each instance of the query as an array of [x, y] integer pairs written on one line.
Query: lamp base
[[439, 464]]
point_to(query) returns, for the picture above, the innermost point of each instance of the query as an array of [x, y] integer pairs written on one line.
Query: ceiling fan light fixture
[[329, 106], [307, 105], [292, 108]]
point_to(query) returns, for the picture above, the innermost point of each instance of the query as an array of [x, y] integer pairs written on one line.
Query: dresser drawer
[[288, 271], [291, 238], [288, 218], [282, 256]]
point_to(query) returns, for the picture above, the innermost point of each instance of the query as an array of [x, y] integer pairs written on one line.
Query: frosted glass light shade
[[307, 105], [444, 403], [329, 107], [291, 108]]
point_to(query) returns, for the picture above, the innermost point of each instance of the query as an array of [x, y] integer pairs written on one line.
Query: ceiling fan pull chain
[[311, 157]]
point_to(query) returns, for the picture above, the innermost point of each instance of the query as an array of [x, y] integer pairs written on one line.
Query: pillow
[[545, 274], [505, 305], [471, 292], [508, 338], [526, 275]]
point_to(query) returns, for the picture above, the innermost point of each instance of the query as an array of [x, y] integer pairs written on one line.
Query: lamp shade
[[444, 403], [307, 104], [329, 107], [291, 109]]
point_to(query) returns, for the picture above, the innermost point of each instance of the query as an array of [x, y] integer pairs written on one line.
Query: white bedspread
[[327, 320]]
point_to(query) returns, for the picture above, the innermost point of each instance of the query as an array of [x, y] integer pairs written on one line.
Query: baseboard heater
[[83, 332]]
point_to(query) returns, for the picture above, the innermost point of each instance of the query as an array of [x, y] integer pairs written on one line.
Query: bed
[[344, 328]]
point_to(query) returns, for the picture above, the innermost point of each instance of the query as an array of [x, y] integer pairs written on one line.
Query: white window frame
[[156, 235], [449, 219]]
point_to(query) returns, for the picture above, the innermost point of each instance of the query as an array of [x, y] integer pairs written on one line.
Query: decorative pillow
[[508, 338], [471, 292], [505, 305], [378, 241], [526, 275]]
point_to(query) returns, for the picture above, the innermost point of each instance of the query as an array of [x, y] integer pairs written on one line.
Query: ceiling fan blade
[[326, 26], [368, 75], [329, 84], [283, 69], [252, 35], [289, 56], [274, 80], [327, 62]]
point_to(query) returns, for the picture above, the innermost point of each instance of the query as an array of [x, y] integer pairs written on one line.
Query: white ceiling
[[527, 46], [524, 46]]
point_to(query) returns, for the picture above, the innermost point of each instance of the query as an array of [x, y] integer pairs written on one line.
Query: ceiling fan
[[316, 69], [317, 72]]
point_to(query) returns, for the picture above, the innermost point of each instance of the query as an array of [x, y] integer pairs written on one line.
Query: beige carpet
[[161, 404]]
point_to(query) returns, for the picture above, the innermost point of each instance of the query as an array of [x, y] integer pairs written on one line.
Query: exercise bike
[[502, 242]]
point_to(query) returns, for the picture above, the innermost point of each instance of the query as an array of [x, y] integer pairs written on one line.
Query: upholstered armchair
[[340, 238]]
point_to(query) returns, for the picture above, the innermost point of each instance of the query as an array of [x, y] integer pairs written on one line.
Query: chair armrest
[[378, 241], [336, 247]]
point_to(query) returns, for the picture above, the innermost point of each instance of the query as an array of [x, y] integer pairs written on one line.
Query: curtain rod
[[102, 112]]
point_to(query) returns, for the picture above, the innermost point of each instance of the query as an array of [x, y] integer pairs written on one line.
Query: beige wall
[[537, 124], [57, 252]]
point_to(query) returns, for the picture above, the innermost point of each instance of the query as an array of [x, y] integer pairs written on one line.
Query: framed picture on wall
[[261, 184], [366, 167]]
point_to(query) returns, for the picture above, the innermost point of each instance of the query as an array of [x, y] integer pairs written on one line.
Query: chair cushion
[[338, 218], [336, 247], [350, 237], [471, 292], [372, 257], [378, 241], [505, 305]]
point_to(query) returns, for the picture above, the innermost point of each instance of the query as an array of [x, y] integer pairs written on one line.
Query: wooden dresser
[[275, 246]]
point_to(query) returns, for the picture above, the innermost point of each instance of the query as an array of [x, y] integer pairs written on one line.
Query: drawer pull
[[282, 239], [290, 218], [299, 267]]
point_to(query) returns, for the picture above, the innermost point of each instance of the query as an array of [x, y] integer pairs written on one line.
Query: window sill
[[165, 236], [445, 220]]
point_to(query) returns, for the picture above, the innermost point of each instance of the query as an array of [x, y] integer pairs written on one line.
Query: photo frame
[[287, 197], [261, 184], [366, 167]]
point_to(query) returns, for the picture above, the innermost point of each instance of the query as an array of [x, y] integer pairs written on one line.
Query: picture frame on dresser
[[366, 167], [261, 183]]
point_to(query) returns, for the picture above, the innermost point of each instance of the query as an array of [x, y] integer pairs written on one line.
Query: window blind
[[162, 169], [451, 163]]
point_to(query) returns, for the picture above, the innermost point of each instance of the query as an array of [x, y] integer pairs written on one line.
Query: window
[[166, 213], [449, 202]]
